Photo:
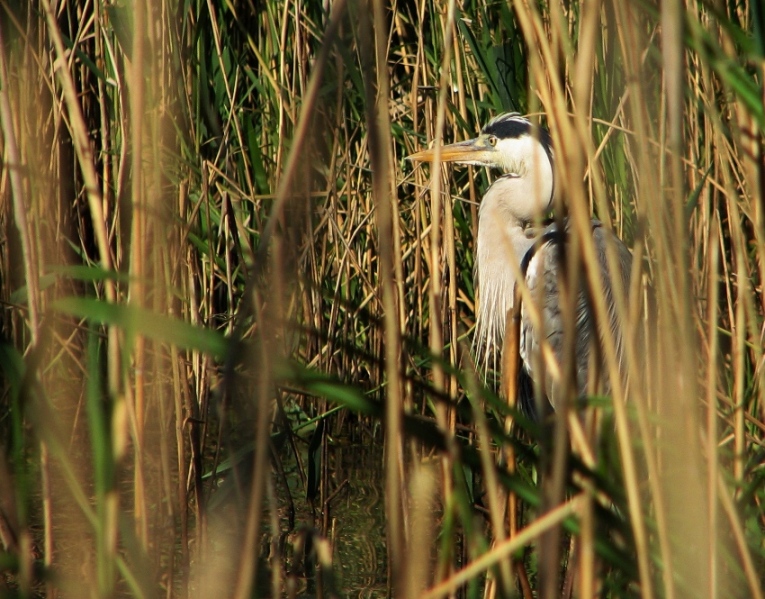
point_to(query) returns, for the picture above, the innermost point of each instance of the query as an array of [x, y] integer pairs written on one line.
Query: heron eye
[[492, 140]]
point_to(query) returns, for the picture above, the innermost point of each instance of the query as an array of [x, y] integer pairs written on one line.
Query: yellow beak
[[473, 151]]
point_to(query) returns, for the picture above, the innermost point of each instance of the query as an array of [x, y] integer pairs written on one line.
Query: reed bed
[[217, 270]]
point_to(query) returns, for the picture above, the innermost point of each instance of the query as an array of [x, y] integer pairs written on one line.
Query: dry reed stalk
[[442, 210], [525, 536], [379, 145]]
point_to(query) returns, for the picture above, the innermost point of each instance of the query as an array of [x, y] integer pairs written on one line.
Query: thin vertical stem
[[438, 211], [711, 397]]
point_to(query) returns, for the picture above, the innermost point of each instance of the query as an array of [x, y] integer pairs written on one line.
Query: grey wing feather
[[542, 279]]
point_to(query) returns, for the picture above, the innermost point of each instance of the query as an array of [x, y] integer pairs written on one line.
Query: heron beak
[[473, 151]]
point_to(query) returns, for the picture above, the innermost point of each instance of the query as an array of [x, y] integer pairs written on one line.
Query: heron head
[[510, 143], [517, 147]]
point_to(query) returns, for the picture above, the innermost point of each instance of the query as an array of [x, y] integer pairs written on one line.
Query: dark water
[[353, 523], [358, 522]]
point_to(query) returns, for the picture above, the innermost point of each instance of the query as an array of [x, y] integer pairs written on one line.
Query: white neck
[[507, 208], [501, 240]]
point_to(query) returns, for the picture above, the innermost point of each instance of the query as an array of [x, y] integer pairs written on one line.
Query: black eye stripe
[[508, 128], [513, 126]]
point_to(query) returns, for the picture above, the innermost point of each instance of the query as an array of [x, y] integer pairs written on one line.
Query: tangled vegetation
[[236, 322]]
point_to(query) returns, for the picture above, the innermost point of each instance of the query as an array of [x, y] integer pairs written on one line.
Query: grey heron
[[512, 243]]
